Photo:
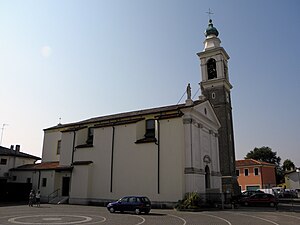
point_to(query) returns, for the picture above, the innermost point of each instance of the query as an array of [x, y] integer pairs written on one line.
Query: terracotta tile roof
[[11, 152], [251, 162], [43, 166]]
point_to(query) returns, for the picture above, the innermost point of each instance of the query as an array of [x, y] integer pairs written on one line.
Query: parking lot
[[84, 215]]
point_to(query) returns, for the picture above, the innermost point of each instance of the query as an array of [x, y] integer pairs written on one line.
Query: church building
[[161, 152]]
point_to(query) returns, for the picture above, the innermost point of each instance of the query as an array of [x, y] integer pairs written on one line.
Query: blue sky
[[81, 59]]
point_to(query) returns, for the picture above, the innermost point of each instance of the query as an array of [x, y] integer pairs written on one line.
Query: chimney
[[17, 148], [12, 147]]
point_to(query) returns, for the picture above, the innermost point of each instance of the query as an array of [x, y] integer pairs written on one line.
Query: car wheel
[[147, 211], [137, 211], [112, 210], [246, 203], [272, 204]]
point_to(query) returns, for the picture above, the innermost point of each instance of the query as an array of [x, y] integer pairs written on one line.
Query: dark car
[[249, 193], [260, 199], [135, 204]]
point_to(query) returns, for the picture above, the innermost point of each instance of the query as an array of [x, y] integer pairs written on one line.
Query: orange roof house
[[253, 174]]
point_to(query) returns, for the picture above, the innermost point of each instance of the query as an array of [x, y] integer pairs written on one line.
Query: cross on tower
[[209, 13]]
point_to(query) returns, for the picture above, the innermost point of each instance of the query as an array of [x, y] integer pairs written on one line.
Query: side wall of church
[[123, 167]]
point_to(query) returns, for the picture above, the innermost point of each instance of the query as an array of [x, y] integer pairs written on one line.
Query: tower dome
[[211, 30]]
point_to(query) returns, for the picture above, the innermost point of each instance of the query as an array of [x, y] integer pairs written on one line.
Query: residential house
[[253, 174], [292, 179], [11, 158]]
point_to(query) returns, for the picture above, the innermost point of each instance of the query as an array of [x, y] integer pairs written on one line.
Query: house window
[[28, 180], [14, 178], [58, 147], [150, 128], [246, 172], [90, 137], [44, 182], [256, 171], [3, 161], [237, 172]]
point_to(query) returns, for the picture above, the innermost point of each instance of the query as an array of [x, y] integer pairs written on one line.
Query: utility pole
[[2, 130]]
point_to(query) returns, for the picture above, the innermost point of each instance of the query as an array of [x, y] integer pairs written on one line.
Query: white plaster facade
[[12, 158], [121, 161]]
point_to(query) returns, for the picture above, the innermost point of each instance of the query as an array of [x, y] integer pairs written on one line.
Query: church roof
[[10, 152], [42, 166], [251, 162], [49, 166], [130, 116]]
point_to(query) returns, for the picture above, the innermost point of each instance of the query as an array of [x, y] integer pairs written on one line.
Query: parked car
[[249, 193], [260, 199], [135, 204], [278, 191], [289, 193]]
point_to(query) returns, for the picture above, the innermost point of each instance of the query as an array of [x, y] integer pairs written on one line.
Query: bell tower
[[215, 87]]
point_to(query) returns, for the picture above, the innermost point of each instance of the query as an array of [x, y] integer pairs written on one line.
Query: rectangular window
[[14, 178], [44, 182], [90, 138], [150, 128], [28, 180], [3, 161], [256, 171], [237, 172], [246, 172], [58, 147]]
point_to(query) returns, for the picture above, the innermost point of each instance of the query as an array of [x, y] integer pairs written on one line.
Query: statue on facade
[[189, 91]]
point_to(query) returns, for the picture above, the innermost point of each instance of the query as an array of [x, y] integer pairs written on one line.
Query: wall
[[269, 177], [251, 179], [67, 146], [133, 167], [13, 162], [50, 146]]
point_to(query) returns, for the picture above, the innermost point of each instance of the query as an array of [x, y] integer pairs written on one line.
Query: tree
[[264, 154], [288, 165]]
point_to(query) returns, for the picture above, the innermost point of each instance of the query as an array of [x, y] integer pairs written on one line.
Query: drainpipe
[[112, 159], [73, 148], [39, 180], [158, 156]]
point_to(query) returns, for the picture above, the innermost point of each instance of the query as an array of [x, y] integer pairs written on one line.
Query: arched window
[[211, 69], [207, 177]]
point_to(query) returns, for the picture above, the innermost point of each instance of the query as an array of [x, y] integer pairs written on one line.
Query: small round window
[[213, 95]]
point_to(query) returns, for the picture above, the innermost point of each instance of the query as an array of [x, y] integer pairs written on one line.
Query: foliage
[[264, 154], [191, 201], [288, 165]]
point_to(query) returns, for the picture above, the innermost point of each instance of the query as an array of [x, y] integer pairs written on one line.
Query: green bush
[[191, 200]]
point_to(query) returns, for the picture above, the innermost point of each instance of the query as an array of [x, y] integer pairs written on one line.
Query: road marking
[[257, 217], [184, 221], [206, 214], [296, 217], [52, 218], [143, 220]]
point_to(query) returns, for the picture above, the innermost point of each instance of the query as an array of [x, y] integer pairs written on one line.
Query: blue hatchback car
[[137, 204]]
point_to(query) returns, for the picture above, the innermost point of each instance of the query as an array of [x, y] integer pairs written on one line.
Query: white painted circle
[[49, 218]]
